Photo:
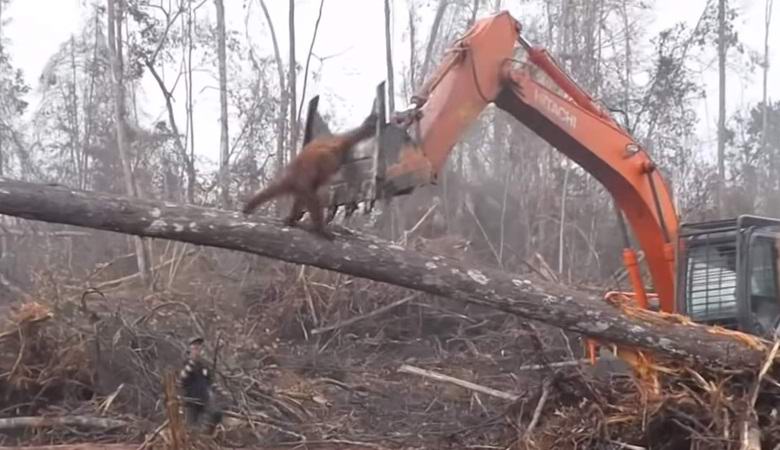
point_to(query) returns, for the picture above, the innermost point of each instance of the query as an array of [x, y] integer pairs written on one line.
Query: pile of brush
[[69, 373]]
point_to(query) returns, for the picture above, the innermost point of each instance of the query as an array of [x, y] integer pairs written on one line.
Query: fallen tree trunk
[[368, 257]]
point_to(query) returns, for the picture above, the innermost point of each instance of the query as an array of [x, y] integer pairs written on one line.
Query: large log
[[365, 256]]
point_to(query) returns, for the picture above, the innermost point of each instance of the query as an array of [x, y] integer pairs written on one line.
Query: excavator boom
[[481, 68]]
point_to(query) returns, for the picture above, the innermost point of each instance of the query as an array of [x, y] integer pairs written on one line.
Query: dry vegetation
[[313, 357]]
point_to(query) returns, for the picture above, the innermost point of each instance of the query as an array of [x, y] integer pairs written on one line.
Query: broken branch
[[456, 381], [9, 423], [374, 313]]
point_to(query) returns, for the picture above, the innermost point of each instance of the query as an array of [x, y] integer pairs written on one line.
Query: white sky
[[352, 30]]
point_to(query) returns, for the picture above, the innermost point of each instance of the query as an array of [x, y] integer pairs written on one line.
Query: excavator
[[722, 272]]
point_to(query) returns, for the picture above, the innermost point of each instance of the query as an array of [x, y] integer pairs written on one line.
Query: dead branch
[[456, 381], [538, 411], [118, 281], [10, 423], [374, 313], [552, 365], [751, 435]]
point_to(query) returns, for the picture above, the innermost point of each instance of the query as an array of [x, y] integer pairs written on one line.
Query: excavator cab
[[728, 273]]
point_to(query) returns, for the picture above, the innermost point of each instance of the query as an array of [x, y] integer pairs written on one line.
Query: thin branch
[[374, 313], [308, 60], [456, 381]]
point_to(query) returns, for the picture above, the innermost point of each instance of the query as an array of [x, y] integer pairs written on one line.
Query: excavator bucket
[[386, 165]]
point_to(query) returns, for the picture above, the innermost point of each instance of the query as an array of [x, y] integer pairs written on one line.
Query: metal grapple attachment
[[386, 165]]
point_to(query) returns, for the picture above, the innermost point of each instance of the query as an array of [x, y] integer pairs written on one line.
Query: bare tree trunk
[[293, 84], [89, 110], [627, 37], [474, 12], [368, 257], [765, 68], [3, 239], [412, 49], [115, 47], [224, 182], [562, 227], [181, 146], [721, 102], [442, 8], [389, 56], [281, 124], [191, 181]]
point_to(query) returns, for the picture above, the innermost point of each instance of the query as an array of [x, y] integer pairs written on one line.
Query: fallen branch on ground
[[371, 258], [538, 410], [10, 423], [456, 381], [373, 313], [554, 365]]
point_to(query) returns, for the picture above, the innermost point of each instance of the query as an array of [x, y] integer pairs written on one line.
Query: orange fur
[[316, 163]]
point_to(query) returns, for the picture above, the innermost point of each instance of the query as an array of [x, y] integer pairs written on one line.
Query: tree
[[440, 10], [281, 124], [389, 58], [292, 83], [722, 49], [224, 182], [115, 50], [765, 70]]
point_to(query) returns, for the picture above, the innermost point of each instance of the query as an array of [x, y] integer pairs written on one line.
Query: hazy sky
[[353, 31]]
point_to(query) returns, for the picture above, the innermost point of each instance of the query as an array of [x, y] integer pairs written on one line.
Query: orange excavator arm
[[412, 147], [481, 69]]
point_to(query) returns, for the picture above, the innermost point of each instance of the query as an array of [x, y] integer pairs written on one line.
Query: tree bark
[[115, 47], [293, 85], [765, 73], [308, 60], [474, 12], [389, 57], [371, 258], [224, 183], [187, 27], [412, 50], [721, 103], [432, 38], [281, 118]]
